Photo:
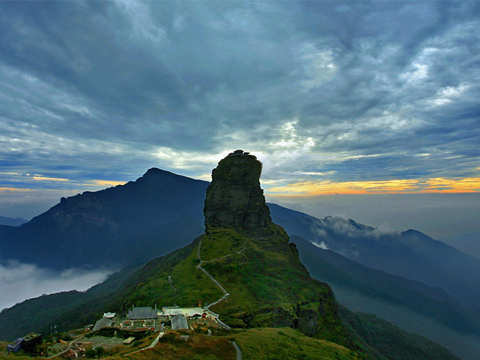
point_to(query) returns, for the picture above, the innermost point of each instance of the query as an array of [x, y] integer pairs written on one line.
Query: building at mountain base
[[138, 313], [27, 343]]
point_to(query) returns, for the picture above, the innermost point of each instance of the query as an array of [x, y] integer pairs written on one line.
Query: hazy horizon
[[350, 97], [439, 216]]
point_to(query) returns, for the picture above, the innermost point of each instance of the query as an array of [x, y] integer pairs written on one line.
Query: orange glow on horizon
[[434, 185], [14, 189], [108, 183], [44, 178], [92, 183]]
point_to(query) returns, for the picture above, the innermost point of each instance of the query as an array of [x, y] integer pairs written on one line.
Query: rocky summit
[[255, 289], [234, 198]]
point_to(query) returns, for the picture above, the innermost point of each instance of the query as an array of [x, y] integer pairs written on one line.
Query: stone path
[[237, 349], [69, 347], [225, 292], [155, 342], [151, 346]]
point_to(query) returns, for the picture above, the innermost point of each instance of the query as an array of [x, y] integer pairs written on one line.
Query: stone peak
[[241, 153], [234, 197]]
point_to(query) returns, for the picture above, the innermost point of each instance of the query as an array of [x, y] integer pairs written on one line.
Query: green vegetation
[[393, 342], [16, 356], [221, 243], [271, 294], [268, 285], [97, 352], [180, 284], [286, 343], [186, 345], [30, 315]]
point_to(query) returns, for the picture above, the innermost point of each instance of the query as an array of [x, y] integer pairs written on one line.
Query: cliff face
[[234, 198], [245, 251]]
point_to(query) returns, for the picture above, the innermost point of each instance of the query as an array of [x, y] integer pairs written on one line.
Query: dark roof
[[15, 346], [179, 322], [102, 323], [142, 313]]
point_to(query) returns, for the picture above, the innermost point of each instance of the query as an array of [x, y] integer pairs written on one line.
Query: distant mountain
[[135, 222], [403, 302], [247, 271], [140, 220], [12, 221], [467, 243], [391, 341], [130, 224], [333, 268], [410, 254], [32, 315]]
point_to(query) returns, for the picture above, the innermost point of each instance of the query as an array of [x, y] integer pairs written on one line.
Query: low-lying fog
[[19, 282]]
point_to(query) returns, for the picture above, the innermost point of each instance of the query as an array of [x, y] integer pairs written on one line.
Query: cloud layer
[[24, 281], [363, 93], [437, 215]]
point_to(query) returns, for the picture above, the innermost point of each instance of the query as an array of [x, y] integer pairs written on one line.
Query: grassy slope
[[151, 285], [255, 344], [268, 285], [334, 269], [286, 343], [30, 315], [393, 342]]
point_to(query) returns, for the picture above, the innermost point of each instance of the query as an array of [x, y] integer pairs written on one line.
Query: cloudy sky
[[335, 97]]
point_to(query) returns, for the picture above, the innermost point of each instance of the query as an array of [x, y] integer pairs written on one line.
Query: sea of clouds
[[20, 281]]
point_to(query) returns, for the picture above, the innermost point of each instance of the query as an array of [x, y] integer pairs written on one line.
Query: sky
[[338, 99]]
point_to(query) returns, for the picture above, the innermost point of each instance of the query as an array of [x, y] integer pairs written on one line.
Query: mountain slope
[[137, 221], [32, 315], [333, 268], [414, 306], [266, 283], [260, 295], [267, 287], [246, 270], [467, 243], [131, 223], [161, 211], [391, 341], [409, 254], [12, 221]]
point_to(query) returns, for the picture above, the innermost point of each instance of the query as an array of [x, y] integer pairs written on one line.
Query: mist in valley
[[465, 346]]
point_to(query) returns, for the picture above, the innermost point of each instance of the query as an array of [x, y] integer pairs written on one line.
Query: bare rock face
[[234, 197]]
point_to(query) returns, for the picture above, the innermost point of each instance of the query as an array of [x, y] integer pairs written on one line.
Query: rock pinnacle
[[234, 197]]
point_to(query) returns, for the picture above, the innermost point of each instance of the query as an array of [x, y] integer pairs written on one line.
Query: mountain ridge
[[74, 230], [177, 201], [12, 221], [410, 254]]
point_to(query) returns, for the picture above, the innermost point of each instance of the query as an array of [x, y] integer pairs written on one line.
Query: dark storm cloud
[[152, 70], [93, 93], [347, 90]]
